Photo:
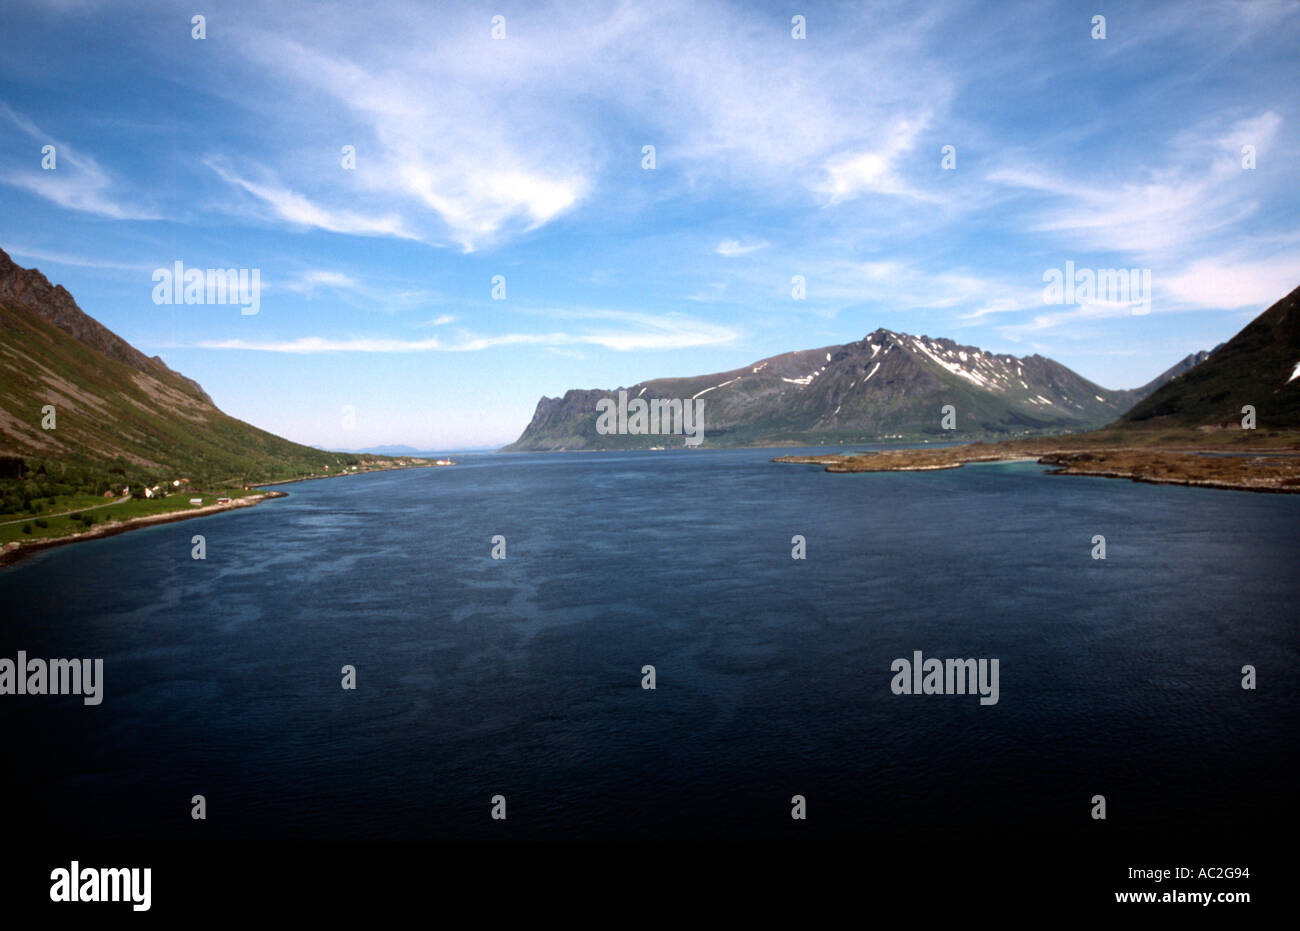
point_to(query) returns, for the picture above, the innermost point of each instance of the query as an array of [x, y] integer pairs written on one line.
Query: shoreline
[[1242, 471], [316, 478], [1061, 462], [13, 552]]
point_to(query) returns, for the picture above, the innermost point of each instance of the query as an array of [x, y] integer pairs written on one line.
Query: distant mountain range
[[1260, 367], [387, 451], [399, 450], [117, 407], [113, 405], [887, 386]]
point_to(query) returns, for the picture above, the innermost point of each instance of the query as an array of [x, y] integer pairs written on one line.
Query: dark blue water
[[522, 677]]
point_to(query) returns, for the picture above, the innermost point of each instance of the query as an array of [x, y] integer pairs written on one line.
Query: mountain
[[1186, 364], [1260, 366], [388, 451], [886, 386], [115, 406]]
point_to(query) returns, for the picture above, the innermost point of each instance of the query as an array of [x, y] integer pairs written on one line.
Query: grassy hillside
[[110, 413], [120, 418], [1253, 368]]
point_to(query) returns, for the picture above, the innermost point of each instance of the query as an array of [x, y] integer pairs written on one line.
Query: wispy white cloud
[[337, 286], [711, 292], [1095, 310], [284, 204], [730, 248], [472, 141], [874, 170], [77, 182], [1200, 191], [80, 261], [468, 155], [1233, 281], [906, 285], [637, 331], [318, 278], [776, 157]]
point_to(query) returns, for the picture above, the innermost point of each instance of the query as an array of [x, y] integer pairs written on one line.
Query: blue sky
[[522, 157]]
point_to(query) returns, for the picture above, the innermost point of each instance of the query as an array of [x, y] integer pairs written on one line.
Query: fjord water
[[522, 677]]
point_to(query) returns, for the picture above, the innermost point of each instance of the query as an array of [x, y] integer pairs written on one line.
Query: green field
[[25, 526]]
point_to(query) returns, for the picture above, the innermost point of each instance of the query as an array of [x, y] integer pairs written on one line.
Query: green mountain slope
[[115, 407], [1260, 366]]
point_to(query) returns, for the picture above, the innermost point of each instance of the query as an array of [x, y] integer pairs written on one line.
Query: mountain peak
[[888, 385]]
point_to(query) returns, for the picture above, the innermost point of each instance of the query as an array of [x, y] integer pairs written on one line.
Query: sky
[[516, 163]]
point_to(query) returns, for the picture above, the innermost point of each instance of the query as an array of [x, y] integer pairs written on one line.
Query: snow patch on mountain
[[707, 390], [973, 377]]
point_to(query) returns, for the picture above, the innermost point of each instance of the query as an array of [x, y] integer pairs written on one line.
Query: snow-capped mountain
[[883, 387]]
